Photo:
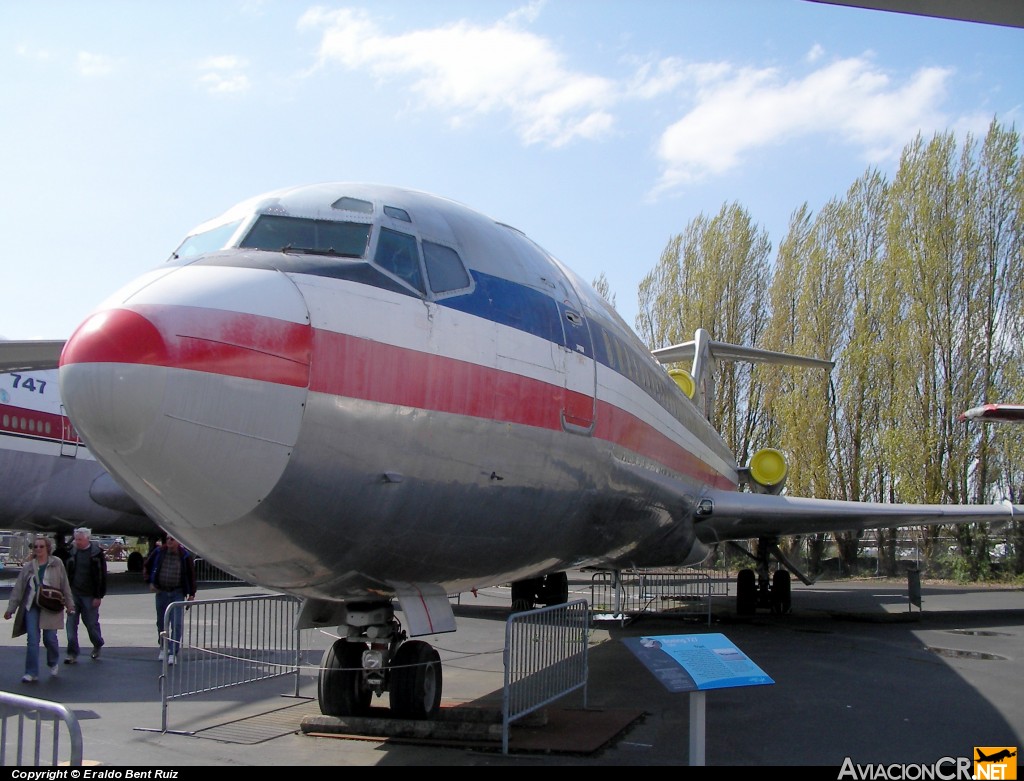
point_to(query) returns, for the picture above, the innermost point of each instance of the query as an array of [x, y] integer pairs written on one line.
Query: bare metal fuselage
[[49, 481], [317, 429]]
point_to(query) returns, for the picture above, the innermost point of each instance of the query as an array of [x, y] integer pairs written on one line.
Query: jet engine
[[767, 471]]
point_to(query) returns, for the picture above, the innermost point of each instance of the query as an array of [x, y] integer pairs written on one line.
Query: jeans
[[49, 640], [163, 599], [90, 617]]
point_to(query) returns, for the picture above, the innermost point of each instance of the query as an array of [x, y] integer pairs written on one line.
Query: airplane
[[1003, 754], [995, 413], [49, 480], [365, 395]]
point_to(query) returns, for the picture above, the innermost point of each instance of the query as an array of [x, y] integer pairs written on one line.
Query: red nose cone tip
[[115, 336]]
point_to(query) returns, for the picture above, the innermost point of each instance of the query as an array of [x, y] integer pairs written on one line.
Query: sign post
[[696, 664]]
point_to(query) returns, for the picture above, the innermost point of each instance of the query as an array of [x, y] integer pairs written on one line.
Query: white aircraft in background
[[995, 413], [49, 481], [356, 393]]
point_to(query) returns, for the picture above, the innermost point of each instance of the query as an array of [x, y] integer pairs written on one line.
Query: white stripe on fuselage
[[621, 392], [46, 445], [380, 315]]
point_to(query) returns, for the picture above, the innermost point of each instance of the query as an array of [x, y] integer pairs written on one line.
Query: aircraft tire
[[524, 593], [746, 593], [415, 681], [340, 689], [556, 589], [135, 561], [782, 593]]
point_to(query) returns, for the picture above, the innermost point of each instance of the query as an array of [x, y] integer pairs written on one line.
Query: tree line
[[914, 285]]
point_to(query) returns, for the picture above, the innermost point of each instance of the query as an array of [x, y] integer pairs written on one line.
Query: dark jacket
[[188, 570], [97, 567]]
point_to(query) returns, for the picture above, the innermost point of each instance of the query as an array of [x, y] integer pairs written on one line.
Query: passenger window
[[397, 253], [444, 268]]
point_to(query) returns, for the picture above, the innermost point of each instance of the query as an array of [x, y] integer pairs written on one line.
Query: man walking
[[87, 574], [172, 577]]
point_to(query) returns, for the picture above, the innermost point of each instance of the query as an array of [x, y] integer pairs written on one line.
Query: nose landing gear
[[375, 656]]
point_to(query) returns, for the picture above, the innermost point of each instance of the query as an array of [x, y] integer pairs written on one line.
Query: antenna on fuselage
[[706, 353]]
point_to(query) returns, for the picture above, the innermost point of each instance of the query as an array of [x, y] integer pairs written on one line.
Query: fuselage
[[330, 390], [49, 481]]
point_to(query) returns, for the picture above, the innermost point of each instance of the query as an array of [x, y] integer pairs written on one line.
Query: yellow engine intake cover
[[768, 467], [684, 380]]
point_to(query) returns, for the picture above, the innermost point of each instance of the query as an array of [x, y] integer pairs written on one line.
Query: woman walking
[[41, 570]]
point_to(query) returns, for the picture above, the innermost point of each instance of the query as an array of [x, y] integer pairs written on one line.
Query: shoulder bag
[[50, 598]]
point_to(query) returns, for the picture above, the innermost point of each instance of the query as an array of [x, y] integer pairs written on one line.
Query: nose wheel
[[374, 656], [415, 683], [342, 689]]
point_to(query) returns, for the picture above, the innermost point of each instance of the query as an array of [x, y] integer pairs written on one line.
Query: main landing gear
[[548, 590], [375, 657], [763, 590]]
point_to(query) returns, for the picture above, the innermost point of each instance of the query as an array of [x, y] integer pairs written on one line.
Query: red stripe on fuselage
[[207, 340], [358, 368], [362, 369], [36, 425], [616, 425], [276, 351]]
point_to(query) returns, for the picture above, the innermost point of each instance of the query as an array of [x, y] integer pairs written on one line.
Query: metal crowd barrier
[[211, 573], [636, 592], [36, 722], [545, 659], [228, 642]]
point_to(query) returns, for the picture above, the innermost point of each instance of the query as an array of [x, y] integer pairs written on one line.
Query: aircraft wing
[[32, 355], [735, 515], [996, 413], [999, 12]]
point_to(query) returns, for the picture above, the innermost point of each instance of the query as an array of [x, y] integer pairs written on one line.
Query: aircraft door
[[578, 370], [68, 436]]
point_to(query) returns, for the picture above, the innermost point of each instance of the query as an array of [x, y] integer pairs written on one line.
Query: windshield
[[276, 233], [207, 241]]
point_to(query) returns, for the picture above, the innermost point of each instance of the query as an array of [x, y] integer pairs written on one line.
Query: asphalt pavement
[[859, 675]]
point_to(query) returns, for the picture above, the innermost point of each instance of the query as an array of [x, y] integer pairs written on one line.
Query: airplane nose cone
[[111, 405], [118, 335], [191, 390]]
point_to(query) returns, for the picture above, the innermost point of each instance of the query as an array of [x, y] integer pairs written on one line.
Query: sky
[[600, 129]]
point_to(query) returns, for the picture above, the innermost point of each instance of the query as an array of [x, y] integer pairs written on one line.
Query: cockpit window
[[398, 214], [207, 241], [353, 205], [298, 234], [444, 268], [397, 253]]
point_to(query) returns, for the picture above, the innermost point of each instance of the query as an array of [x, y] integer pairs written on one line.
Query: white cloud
[[739, 111], [528, 13], [224, 74], [466, 70], [90, 64], [654, 79], [33, 53]]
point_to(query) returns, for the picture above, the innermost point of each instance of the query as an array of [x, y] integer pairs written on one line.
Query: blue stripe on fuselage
[[498, 300], [511, 304]]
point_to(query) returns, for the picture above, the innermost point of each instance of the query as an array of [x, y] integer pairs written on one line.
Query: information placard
[[686, 663]]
